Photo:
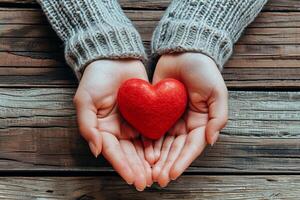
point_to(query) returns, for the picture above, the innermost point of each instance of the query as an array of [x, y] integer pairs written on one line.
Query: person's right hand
[[205, 116], [103, 127]]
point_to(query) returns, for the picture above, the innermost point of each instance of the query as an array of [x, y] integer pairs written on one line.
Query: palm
[[101, 124], [200, 123]]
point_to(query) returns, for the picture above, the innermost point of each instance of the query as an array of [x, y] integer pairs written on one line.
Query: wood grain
[[39, 135], [251, 66], [256, 56], [31, 59], [32, 23], [282, 5], [187, 187], [262, 134], [267, 55], [24, 76], [36, 17], [11, 32]]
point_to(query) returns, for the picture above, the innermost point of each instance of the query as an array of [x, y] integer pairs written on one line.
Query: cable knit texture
[[207, 26], [93, 29]]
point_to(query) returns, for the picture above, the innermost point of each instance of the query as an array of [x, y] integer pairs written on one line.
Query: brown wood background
[[257, 156]]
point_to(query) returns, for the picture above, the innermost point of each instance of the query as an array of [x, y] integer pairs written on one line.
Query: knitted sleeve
[[91, 30], [207, 26]]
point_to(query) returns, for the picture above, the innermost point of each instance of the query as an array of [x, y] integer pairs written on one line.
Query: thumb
[[218, 115], [158, 75], [87, 121], [164, 69]]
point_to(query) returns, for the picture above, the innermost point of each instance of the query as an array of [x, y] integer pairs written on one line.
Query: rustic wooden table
[[42, 155]]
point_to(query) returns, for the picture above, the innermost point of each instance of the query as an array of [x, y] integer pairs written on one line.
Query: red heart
[[152, 110]]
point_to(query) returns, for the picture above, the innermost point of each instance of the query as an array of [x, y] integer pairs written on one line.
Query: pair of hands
[[140, 161]]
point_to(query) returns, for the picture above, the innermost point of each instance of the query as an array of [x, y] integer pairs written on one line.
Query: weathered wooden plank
[[31, 44], [162, 4], [262, 78], [27, 61], [257, 40], [38, 131], [252, 36], [283, 5], [22, 16], [256, 56], [23, 31], [32, 59], [261, 62], [186, 187], [36, 17], [270, 28], [19, 1], [277, 20], [289, 36], [234, 78], [35, 76]]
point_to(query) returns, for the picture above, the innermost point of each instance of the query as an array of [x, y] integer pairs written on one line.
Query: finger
[[87, 122], [135, 164], [149, 151], [127, 132], [114, 154], [177, 146], [218, 116], [194, 145], [163, 157], [139, 149], [178, 129], [157, 148]]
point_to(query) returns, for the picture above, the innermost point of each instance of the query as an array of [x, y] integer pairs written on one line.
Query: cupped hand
[[205, 116], [101, 124]]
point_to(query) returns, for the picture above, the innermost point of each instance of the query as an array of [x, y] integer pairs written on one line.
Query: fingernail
[[94, 149], [174, 178], [129, 183], [163, 185], [139, 189], [215, 138]]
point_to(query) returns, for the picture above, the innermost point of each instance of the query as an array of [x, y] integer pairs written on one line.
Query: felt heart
[[152, 110]]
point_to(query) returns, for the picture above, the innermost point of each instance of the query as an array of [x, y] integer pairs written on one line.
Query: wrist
[[103, 63], [113, 67]]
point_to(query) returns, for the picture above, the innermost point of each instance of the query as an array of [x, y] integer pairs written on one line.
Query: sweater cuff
[[92, 30], [174, 37], [97, 43]]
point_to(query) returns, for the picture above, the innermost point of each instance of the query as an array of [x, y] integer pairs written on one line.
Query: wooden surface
[[267, 55], [262, 134], [256, 157], [187, 188]]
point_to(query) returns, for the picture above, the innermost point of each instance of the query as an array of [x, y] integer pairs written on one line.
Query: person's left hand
[[102, 125], [205, 116]]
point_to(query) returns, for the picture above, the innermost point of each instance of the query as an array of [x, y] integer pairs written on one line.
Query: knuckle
[[194, 149], [85, 130], [222, 91], [192, 146], [224, 121], [109, 150], [82, 129], [76, 99], [225, 91]]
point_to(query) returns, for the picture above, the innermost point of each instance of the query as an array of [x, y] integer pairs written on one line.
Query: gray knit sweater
[[95, 29]]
